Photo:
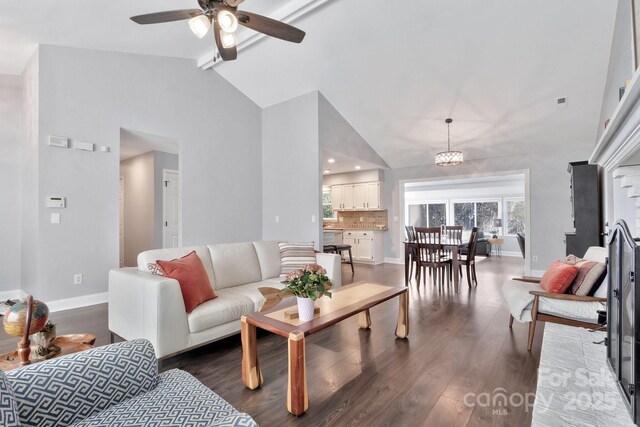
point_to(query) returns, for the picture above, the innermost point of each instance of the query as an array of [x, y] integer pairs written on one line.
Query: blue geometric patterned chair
[[114, 385]]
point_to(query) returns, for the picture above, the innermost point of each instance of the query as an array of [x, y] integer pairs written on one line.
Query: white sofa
[[144, 305]]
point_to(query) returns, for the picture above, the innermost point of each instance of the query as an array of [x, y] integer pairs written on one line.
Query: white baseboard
[[12, 294], [77, 302], [514, 254], [393, 260]]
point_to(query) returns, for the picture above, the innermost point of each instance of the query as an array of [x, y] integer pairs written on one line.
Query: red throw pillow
[[192, 277], [558, 277]]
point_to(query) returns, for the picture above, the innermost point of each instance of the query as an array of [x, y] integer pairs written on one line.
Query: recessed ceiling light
[[357, 167], [326, 170], [331, 160]]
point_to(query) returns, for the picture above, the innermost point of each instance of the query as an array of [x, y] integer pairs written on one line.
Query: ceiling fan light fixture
[[200, 26], [228, 40], [227, 21]]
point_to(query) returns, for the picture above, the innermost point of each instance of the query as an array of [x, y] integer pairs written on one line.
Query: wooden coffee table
[[68, 344], [347, 301]]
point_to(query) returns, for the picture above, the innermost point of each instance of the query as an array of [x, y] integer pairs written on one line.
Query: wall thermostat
[[56, 202]]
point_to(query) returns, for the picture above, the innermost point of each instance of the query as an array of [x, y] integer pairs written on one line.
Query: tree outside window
[[327, 210], [464, 214], [515, 216], [486, 212]]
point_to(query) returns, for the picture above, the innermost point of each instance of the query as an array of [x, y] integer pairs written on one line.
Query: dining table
[[452, 246]]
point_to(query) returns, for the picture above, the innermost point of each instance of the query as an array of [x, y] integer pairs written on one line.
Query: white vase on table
[[305, 309]]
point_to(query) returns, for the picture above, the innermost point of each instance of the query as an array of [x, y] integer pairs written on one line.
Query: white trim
[[77, 302], [389, 260], [290, 12], [12, 294]]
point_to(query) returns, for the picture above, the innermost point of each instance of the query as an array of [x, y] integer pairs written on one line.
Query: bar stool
[[329, 249], [339, 249]]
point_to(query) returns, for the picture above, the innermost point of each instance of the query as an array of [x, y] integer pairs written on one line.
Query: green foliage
[[309, 282]]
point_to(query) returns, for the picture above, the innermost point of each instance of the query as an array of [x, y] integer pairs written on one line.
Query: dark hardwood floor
[[459, 343]]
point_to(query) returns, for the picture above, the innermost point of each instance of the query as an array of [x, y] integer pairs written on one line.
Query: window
[[327, 209], [475, 214], [515, 219], [428, 214]]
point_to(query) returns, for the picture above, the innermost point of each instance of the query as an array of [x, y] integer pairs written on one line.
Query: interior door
[[171, 211]]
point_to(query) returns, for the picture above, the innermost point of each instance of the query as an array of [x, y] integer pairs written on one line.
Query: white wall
[[549, 191], [620, 62], [10, 139], [29, 173], [291, 171], [89, 95], [353, 177]]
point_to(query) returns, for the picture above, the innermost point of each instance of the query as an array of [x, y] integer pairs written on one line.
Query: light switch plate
[[55, 218]]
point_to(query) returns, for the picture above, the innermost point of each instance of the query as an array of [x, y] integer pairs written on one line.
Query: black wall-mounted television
[[623, 303]]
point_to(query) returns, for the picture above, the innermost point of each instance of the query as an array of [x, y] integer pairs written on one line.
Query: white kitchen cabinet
[[336, 197], [366, 245], [373, 195], [358, 197]]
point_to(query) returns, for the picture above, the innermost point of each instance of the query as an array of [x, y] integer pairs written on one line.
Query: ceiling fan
[[224, 16]]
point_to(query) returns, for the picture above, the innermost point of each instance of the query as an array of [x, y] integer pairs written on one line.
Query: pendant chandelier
[[449, 158]]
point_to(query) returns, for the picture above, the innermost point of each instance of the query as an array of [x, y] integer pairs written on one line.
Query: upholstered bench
[[114, 385]]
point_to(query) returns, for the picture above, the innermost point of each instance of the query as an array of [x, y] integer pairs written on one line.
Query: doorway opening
[[498, 205], [149, 194]]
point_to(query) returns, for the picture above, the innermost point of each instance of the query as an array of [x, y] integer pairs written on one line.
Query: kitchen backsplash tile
[[370, 219]]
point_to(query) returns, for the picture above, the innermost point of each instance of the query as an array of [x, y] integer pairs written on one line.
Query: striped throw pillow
[[294, 256], [589, 273]]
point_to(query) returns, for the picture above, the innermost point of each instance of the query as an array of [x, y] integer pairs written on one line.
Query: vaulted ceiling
[[394, 72]]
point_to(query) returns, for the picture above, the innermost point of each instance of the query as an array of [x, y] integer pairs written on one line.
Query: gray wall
[[161, 160], [139, 206], [10, 138], [620, 62], [220, 134], [291, 176], [549, 192]]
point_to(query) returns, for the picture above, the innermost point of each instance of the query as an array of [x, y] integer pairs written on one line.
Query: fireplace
[[623, 340]]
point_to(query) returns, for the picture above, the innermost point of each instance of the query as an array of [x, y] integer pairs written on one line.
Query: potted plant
[[307, 284]]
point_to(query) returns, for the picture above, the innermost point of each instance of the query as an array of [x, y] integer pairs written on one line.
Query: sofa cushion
[[234, 264], [8, 409], [178, 400], [229, 306], [589, 274], [67, 389], [269, 257], [147, 259], [192, 277], [294, 256]]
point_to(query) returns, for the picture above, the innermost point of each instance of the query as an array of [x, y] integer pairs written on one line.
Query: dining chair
[[451, 234], [469, 260], [431, 254], [413, 252]]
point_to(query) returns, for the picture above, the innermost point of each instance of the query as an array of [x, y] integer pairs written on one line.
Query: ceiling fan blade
[[226, 53], [169, 16], [270, 27], [233, 3]]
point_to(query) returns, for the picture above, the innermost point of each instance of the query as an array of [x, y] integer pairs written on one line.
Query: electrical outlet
[[361, 219], [77, 279], [534, 258]]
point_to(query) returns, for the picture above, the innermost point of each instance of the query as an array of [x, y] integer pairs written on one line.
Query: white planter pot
[[305, 309]]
